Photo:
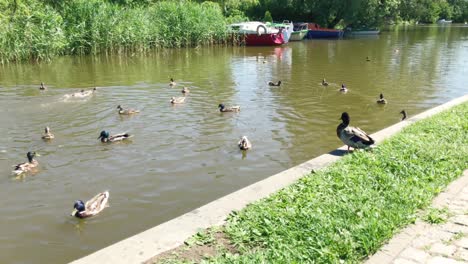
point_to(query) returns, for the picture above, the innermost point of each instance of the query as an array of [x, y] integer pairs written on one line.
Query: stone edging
[[173, 233]]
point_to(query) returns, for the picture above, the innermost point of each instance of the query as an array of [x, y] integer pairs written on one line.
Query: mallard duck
[[185, 90], [42, 87], [47, 135], [172, 83], [324, 83], [367, 58], [274, 84], [381, 100], [403, 112], [244, 143], [352, 136], [27, 166], [92, 207], [127, 111], [343, 88], [223, 108], [177, 100], [104, 136]]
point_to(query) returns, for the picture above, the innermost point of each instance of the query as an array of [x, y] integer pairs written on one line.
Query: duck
[[91, 207], [27, 166], [172, 83], [244, 143], [42, 87], [274, 84], [104, 136], [127, 111], [177, 100], [403, 112], [223, 108], [367, 58], [352, 136], [381, 100], [324, 83], [84, 93], [47, 135], [343, 88], [185, 90]]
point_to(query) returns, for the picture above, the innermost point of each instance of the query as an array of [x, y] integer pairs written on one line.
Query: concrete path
[[422, 242]]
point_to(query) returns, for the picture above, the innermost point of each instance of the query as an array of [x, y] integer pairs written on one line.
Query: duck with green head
[[27, 166], [105, 137], [381, 100], [91, 207], [352, 136], [223, 108]]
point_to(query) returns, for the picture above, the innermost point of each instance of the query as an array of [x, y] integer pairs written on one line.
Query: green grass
[[347, 211]]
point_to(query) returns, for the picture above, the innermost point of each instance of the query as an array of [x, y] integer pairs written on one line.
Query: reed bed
[[37, 31]]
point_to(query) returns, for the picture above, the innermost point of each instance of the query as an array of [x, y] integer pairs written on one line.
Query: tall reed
[[39, 32]]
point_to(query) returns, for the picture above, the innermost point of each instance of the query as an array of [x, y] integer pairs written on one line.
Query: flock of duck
[[353, 137]]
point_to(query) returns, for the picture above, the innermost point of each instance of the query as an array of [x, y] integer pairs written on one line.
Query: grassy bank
[[347, 211], [34, 30]]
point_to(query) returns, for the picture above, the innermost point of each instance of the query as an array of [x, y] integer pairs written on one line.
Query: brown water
[[184, 156]]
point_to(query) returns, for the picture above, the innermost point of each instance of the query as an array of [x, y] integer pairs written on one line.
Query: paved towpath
[[445, 243]]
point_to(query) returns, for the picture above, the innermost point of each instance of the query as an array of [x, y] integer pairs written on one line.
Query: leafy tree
[[268, 17]]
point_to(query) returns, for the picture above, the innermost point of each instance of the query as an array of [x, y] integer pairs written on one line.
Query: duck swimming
[[83, 93], [244, 143], [185, 90], [42, 87], [177, 100], [403, 112], [127, 111], [381, 100], [172, 83], [92, 207], [367, 58], [47, 135], [223, 108], [104, 136], [274, 84], [343, 88], [352, 136], [324, 83], [27, 166]]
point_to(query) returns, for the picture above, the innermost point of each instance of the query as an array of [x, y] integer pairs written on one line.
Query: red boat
[[258, 34]]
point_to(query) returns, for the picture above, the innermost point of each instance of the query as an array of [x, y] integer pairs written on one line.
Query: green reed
[[37, 31]]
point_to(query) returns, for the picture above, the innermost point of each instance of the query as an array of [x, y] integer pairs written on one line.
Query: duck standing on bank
[[129, 111], [274, 84], [244, 143], [352, 136], [47, 135], [381, 100], [105, 137], [27, 166], [223, 108], [92, 207]]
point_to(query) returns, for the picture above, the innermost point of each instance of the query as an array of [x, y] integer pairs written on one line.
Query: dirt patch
[[204, 244]]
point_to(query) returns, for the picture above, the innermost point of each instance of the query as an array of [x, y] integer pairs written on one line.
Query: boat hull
[[272, 39], [298, 35], [324, 34]]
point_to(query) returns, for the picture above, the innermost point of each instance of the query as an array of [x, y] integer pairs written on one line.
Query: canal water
[[184, 156]]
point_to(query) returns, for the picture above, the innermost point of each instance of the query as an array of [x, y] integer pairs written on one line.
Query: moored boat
[[258, 34], [362, 32], [300, 31], [315, 31], [443, 21], [285, 27]]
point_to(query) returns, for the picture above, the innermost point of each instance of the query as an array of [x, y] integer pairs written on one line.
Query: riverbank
[[347, 211]]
